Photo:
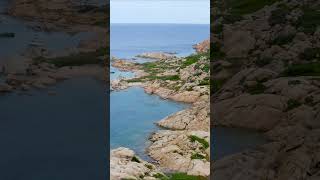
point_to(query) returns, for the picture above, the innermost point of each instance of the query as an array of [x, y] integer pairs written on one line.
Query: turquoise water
[[132, 118]]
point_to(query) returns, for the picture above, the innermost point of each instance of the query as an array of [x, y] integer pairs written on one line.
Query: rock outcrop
[[264, 71], [124, 164]]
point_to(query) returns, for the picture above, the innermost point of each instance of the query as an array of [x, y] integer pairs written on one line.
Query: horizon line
[[162, 23]]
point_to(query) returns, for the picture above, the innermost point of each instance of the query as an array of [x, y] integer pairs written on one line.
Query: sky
[[160, 11]]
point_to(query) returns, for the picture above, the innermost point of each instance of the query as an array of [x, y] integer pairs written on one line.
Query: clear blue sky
[[160, 11]]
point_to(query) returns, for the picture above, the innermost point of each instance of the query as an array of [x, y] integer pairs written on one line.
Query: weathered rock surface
[[174, 150], [124, 164], [156, 55], [264, 81]]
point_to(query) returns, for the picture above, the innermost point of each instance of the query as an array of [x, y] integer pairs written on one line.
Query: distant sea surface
[[129, 40]]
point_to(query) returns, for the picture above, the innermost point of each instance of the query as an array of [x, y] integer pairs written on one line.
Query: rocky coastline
[[38, 67], [265, 77], [183, 146]]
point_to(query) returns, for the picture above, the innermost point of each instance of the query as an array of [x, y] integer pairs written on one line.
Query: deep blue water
[[129, 40], [52, 137]]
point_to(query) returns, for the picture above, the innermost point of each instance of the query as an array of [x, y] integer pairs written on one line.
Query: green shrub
[[148, 166], [161, 176], [197, 156], [135, 159], [203, 142], [185, 176]]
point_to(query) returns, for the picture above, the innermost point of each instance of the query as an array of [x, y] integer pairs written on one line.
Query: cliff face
[[202, 47], [265, 76]]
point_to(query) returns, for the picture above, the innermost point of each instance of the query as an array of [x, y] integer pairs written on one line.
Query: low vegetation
[[79, 59], [202, 141], [197, 156]]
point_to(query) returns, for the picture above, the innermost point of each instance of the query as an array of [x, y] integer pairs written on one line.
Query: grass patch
[[135, 159], [191, 60], [204, 82], [242, 7], [170, 78], [154, 77], [195, 58], [161, 176], [292, 104], [79, 59], [185, 176], [206, 68], [309, 69], [203, 142], [197, 156], [148, 166]]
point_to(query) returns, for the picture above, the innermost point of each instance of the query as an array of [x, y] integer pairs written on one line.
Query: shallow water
[[54, 137], [116, 74], [132, 117]]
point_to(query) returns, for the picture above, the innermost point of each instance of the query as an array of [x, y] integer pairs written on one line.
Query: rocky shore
[[265, 74], [184, 145], [39, 67]]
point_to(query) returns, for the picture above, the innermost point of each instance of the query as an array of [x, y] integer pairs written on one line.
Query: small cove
[[132, 122]]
